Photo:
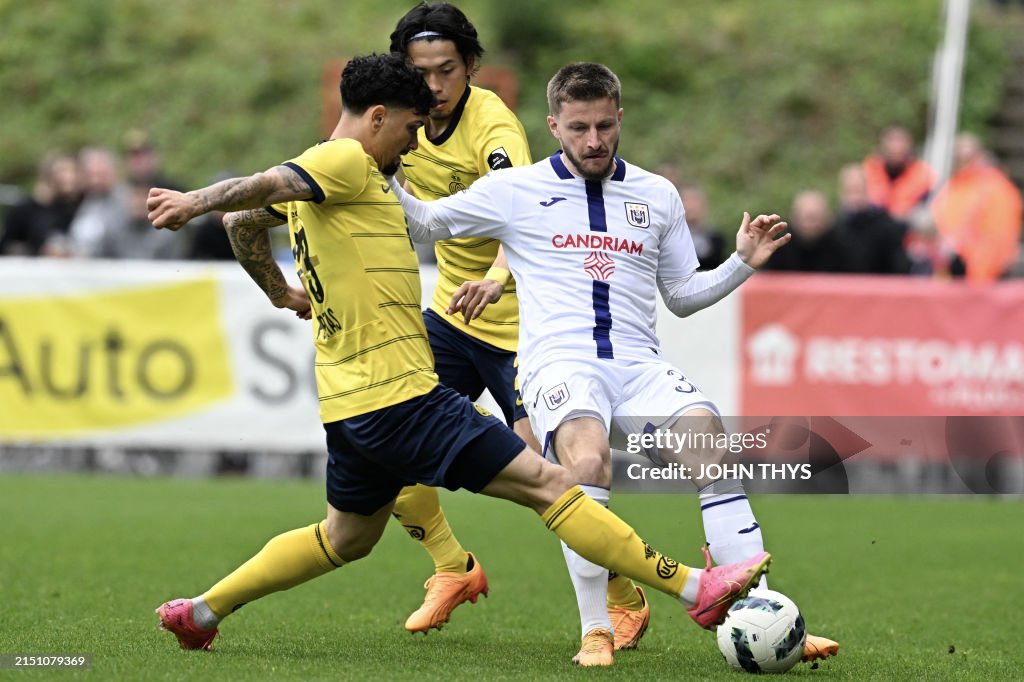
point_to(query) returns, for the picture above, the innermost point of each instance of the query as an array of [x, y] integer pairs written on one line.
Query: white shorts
[[628, 396]]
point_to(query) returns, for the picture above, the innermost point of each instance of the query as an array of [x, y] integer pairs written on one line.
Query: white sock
[[588, 579], [731, 531], [203, 616], [689, 594]]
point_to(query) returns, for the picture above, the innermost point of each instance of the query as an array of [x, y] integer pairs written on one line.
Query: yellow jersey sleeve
[[278, 210], [503, 145]]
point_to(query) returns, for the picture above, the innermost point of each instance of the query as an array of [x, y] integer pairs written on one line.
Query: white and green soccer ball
[[762, 633]]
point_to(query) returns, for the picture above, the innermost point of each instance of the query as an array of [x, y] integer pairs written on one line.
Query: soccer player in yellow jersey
[[389, 423], [468, 133]]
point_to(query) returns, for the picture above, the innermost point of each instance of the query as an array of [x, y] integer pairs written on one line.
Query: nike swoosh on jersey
[[385, 188], [554, 200]]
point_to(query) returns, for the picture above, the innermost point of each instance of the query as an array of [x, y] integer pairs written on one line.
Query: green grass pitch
[[912, 588]]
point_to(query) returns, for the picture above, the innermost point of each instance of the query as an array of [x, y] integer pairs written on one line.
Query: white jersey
[[587, 254]]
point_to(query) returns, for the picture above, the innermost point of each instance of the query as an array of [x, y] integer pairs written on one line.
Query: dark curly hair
[[386, 79], [443, 18]]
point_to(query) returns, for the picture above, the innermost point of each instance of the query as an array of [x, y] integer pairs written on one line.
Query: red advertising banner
[[880, 346]]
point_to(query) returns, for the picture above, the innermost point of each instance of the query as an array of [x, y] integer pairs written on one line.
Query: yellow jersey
[[354, 257], [483, 135]]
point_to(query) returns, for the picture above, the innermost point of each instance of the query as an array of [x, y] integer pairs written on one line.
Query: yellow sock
[[600, 536], [286, 561], [418, 508], [622, 593]]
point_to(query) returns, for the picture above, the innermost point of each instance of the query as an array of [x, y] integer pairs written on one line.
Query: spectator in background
[[897, 180], [210, 239], [978, 212], [38, 226], [928, 252], [707, 241], [118, 226], [142, 163], [872, 241], [134, 237], [106, 204], [815, 246]]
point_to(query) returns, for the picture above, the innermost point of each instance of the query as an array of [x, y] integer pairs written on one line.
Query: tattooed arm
[[247, 232], [169, 209]]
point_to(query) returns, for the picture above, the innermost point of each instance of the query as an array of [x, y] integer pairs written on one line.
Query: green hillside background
[[754, 99]]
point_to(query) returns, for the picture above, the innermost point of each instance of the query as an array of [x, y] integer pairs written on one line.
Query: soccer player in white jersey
[[590, 238]]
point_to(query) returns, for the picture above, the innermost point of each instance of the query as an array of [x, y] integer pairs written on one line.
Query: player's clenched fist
[[169, 209]]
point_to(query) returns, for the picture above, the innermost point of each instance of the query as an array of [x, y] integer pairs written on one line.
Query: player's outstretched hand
[[472, 297], [169, 210], [759, 238], [295, 299]]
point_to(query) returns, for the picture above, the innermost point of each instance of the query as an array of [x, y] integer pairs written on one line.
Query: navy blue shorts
[[437, 439], [469, 365]]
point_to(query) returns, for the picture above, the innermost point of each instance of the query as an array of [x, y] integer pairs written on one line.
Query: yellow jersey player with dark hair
[[468, 133], [389, 423]]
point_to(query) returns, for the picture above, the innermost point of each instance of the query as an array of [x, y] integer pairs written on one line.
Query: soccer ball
[[762, 633]]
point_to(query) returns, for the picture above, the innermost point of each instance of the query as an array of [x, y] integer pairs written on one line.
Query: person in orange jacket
[[978, 211], [897, 180]]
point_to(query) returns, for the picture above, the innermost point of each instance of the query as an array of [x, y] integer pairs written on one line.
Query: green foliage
[[754, 99]]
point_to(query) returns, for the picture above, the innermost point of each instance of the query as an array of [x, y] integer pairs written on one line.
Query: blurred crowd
[[894, 218], [891, 216], [93, 205]]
